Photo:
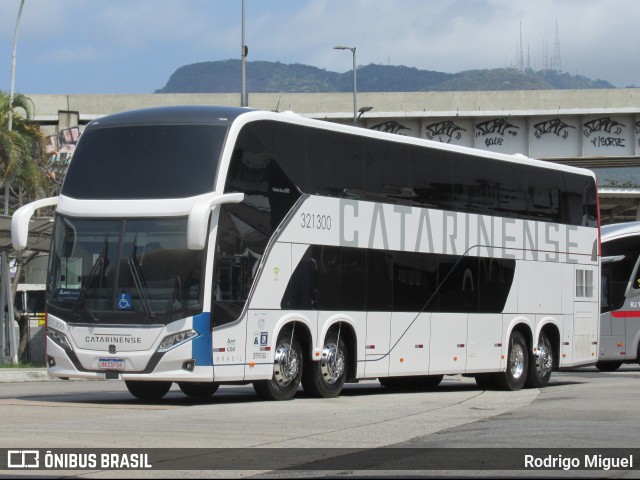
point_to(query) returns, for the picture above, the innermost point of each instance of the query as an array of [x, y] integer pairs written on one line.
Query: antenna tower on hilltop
[[545, 55], [520, 61], [556, 63]]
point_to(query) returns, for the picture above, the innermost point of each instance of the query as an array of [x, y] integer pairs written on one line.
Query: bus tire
[[325, 378], [517, 364], [287, 370], [540, 364], [198, 389], [608, 366], [148, 390]]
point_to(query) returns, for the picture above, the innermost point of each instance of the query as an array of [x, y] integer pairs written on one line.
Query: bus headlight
[[172, 341], [59, 338]]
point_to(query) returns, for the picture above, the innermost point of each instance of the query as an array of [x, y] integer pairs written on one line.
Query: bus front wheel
[[148, 390], [325, 378], [287, 369], [517, 364]]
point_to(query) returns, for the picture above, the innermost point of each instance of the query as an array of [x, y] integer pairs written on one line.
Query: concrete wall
[[340, 105], [548, 124]]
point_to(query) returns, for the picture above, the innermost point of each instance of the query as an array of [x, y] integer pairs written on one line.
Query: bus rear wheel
[[325, 378], [541, 364], [517, 364], [287, 369], [198, 389], [148, 390]]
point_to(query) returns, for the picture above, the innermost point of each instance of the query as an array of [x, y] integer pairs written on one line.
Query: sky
[[133, 46]]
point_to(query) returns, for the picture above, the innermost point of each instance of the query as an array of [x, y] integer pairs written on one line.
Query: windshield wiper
[[138, 281], [98, 265]]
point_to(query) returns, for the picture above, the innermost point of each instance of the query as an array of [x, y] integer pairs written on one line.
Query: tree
[[22, 161], [23, 172]]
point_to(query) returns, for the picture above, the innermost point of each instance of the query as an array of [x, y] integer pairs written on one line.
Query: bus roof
[[293, 118], [219, 115], [619, 230], [195, 114]]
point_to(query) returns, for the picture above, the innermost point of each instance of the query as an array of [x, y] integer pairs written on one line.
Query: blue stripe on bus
[[202, 345]]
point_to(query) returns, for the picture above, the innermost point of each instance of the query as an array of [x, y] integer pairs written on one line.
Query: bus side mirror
[[198, 223], [22, 217]]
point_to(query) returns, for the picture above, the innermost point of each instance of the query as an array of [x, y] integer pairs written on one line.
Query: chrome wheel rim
[[516, 361], [286, 365], [332, 363], [544, 360]]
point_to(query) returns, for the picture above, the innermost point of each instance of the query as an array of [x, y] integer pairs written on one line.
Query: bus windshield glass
[[619, 257], [123, 269], [145, 161]]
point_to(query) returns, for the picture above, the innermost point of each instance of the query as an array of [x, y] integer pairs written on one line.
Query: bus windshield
[[145, 161], [115, 269], [619, 257]]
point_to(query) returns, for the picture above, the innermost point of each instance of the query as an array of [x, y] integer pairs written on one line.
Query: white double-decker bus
[[206, 245], [620, 313]]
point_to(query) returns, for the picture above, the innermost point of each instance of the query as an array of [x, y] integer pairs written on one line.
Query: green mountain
[[272, 77]]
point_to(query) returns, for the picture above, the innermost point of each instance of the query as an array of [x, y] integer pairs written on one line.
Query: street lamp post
[[13, 68], [244, 101], [355, 94], [11, 89], [6, 298], [362, 111]]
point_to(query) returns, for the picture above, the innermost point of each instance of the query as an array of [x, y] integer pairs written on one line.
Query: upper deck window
[[147, 161], [320, 161]]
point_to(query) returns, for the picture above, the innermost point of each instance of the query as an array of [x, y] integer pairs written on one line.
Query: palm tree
[[22, 163], [23, 171]]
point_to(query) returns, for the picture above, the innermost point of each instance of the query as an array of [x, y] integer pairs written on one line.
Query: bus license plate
[[111, 363]]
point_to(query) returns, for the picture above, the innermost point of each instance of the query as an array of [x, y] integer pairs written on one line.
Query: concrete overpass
[[596, 129]]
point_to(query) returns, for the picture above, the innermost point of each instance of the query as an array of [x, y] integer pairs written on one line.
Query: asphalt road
[[579, 409]]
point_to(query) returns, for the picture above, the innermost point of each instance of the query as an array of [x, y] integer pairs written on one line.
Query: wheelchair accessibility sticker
[[124, 301]]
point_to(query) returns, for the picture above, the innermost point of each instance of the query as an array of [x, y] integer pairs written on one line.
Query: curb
[[18, 375]]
